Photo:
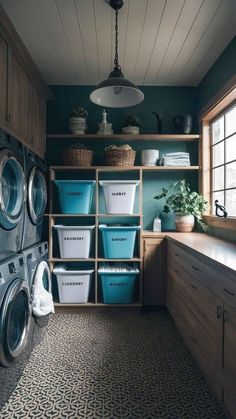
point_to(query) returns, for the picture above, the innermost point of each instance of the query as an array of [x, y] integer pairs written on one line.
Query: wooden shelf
[[56, 304], [124, 168], [127, 137], [120, 215], [70, 215], [118, 260], [72, 260]]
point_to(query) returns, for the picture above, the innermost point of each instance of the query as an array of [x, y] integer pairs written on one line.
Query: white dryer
[[37, 270], [12, 195], [35, 172], [16, 324]]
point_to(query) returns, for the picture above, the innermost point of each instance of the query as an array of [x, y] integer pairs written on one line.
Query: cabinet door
[[39, 122], [154, 284], [229, 366], [198, 313], [20, 100], [3, 80]]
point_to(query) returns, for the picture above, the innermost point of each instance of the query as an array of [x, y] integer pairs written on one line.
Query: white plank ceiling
[[161, 42]]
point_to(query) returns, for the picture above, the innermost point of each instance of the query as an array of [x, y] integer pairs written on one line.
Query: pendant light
[[116, 91]]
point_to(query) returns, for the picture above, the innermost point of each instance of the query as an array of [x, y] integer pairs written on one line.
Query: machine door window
[[14, 322], [12, 190], [37, 195]]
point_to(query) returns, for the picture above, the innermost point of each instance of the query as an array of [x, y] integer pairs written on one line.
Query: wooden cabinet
[[3, 80], [201, 296], [20, 101], [23, 95], [39, 122], [154, 287], [229, 360]]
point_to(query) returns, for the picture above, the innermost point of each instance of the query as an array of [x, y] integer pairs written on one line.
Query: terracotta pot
[[184, 223]]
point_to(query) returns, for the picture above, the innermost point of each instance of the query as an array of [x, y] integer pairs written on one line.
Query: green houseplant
[[131, 125], [77, 123], [188, 206]]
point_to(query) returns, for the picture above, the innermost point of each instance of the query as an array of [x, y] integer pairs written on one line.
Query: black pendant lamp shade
[[116, 91]]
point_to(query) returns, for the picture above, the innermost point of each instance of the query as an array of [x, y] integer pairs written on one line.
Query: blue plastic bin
[[118, 241], [118, 287], [75, 196]]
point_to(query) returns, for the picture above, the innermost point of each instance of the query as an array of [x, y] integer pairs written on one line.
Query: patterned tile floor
[[112, 365]]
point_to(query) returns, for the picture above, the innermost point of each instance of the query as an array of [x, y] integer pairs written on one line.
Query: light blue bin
[[118, 241], [118, 287], [75, 196]]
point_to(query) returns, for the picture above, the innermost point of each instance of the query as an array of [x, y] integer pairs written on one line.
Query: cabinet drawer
[[220, 282]]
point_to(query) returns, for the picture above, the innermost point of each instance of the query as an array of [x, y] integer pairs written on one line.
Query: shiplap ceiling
[[161, 42]]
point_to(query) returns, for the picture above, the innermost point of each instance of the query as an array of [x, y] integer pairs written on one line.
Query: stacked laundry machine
[[23, 257]]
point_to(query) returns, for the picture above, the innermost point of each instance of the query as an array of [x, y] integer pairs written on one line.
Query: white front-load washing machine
[[12, 195], [35, 172], [38, 273], [16, 324]]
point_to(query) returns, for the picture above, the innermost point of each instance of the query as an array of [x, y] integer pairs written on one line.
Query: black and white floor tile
[[114, 366]]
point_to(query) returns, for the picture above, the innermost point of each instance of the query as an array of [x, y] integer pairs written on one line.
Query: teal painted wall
[[223, 69], [171, 100]]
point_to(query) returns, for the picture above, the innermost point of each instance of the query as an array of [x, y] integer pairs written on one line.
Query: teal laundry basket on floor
[[118, 287], [118, 241], [75, 196]]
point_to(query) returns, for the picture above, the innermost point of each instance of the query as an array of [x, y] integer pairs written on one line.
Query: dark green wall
[[171, 100], [223, 69]]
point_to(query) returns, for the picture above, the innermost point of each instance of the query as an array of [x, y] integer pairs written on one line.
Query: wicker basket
[[117, 157], [78, 155]]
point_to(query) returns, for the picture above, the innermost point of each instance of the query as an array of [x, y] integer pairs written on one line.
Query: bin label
[[72, 283], [118, 193], [119, 239], [118, 284], [72, 193], [73, 238]]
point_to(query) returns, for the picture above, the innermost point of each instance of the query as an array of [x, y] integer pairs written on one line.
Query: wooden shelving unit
[[95, 173]]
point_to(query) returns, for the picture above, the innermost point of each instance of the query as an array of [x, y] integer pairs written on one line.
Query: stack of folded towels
[[175, 159]]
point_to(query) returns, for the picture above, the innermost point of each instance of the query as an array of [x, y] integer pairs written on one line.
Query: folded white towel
[[42, 299]]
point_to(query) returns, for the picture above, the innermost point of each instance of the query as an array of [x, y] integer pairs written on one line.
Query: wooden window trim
[[219, 103]]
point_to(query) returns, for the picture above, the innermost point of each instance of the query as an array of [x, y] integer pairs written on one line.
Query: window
[[218, 155], [223, 160]]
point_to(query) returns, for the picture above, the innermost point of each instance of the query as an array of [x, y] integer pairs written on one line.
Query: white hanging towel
[[42, 299]]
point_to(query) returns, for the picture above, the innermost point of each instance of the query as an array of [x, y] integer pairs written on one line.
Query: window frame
[[220, 103]]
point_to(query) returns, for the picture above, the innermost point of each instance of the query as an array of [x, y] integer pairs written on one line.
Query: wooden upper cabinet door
[[154, 284], [3, 80], [20, 100], [229, 362], [39, 122]]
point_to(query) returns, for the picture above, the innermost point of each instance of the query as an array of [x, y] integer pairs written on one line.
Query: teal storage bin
[[75, 196], [118, 241], [118, 287]]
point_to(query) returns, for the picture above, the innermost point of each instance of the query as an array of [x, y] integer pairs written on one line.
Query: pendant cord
[[116, 61]]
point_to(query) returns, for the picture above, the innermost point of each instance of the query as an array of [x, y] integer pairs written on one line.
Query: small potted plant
[[78, 124], [188, 206], [131, 125]]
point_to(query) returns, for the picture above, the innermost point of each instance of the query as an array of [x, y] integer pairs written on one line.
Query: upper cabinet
[[23, 95]]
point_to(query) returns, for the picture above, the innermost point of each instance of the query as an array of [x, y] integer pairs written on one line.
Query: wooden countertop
[[220, 251]]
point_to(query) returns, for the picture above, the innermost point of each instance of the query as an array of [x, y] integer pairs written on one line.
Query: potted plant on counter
[[131, 125], [188, 206], [77, 123]]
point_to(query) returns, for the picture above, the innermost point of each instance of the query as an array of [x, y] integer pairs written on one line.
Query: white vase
[[184, 223], [149, 157], [77, 125]]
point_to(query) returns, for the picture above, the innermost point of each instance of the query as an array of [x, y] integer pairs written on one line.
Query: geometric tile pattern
[[114, 366]]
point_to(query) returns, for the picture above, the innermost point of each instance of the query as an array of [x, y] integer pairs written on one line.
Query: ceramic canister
[[149, 157]]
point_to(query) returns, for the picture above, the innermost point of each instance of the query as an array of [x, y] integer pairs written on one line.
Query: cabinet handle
[[145, 246], [219, 312], [225, 316], [194, 287], [195, 268], [228, 292]]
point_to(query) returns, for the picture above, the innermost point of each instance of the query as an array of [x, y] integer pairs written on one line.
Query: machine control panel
[[12, 268]]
